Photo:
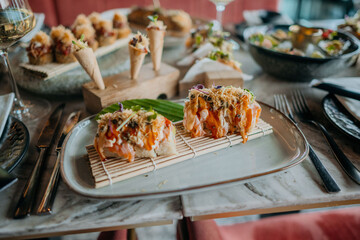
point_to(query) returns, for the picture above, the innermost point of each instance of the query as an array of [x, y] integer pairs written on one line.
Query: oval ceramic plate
[[14, 144], [273, 153], [340, 117]]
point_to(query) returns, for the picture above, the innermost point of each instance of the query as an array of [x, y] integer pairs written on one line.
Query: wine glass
[[220, 7], [16, 20]]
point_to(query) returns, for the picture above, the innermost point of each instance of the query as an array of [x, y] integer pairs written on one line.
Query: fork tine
[[301, 102], [283, 106], [301, 95], [290, 113], [295, 103], [276, 101]]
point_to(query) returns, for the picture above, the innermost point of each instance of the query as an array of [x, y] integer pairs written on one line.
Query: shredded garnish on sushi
[[220, 110], [134, 132]]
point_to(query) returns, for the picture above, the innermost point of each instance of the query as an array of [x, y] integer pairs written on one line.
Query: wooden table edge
[[273, 210], [100, 229]]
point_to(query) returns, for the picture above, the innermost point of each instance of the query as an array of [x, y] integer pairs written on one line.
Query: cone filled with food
[[86, 57], [156, 32], [89, 35], [138, 48]]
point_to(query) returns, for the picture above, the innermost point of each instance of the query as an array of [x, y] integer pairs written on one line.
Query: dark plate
[[340, 117], [14, 143], [298, 68]]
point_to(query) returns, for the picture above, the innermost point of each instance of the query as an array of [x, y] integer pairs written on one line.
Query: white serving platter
[[270, 154]]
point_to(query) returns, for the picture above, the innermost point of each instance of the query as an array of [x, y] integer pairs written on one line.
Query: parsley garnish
[[136, 108], [210, 30], [252, 94], [81, 44], [153, 18], [153, 116]]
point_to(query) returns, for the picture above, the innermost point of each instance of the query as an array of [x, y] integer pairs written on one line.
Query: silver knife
[[23, 207], [48, 198]]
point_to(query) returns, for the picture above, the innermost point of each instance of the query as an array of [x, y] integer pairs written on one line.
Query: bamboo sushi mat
[[50, 70], [118, 169]]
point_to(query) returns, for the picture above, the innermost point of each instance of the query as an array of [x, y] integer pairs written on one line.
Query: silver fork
[[282, 104], [305, 115]]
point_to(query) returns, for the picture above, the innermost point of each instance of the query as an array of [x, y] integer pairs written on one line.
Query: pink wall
[[65, 11]]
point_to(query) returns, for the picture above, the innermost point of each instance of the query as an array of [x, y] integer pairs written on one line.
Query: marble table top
[[297, 188]]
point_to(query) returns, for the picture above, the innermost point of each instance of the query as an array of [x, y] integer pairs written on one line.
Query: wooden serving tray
[[119, 87], [50, 70], [117, 169]]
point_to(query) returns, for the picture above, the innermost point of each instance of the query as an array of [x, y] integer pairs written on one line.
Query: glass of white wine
[[16, 20], [220, 7]]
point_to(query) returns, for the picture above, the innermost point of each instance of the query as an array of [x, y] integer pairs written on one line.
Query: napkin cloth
[[196, 74]]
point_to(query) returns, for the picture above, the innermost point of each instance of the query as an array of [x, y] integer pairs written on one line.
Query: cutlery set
[[25, 204], [303, 113]]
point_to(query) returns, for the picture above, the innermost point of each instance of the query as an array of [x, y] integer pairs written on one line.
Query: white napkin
[[196, 73], [201, 52], [352, 105], [5, 107]]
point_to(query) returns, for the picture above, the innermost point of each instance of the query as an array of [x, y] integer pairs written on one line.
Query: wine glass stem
[[219, 11], [18, 100]]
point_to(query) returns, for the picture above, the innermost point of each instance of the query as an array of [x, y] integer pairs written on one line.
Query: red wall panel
[[47, 7], [67, 10]]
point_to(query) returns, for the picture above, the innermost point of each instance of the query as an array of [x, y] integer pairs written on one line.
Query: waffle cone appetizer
[[86, 57], [156, 33], [138, 48]]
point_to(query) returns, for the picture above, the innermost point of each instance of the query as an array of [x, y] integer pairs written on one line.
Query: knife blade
[[336, 89], [48, 198], [24, 205]]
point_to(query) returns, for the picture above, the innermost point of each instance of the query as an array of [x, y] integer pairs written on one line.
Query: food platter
[[70, 82], [273, 153], [299, 68]]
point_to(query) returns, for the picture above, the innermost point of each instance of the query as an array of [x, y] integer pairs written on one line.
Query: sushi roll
[[64, 49], [134, 133], [40, 49], [218, 111]]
